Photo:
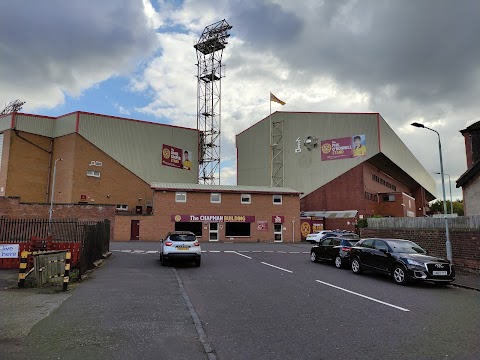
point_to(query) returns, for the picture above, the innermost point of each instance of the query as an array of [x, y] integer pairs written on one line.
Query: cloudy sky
[[408, 60]]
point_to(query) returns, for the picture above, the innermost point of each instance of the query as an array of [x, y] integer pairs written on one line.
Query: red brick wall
[[153, 228], [347, 192], [12, 208], [465, 243]]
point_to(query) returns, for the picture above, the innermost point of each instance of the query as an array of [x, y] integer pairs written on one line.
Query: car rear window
[[351, 242], [182, 237]]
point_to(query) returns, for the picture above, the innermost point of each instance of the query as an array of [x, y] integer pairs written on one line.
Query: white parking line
[[244, 251], [306, 252], [137, 251], [152, 252], [214, 251], [268, 251], [248, 257], [257, 251], [364, 296], [294, 252], [282, 252], [276, 267], [126, 251]]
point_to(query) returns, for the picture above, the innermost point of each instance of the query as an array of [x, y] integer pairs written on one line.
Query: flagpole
[[271, 143]]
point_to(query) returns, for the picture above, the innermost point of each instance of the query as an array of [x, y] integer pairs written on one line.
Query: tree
[[437, 207]]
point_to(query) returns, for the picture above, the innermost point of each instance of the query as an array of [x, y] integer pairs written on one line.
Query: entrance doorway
[[135, 230], [213, 232], [277, 233]]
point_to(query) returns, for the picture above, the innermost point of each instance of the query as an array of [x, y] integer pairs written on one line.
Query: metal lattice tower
[[13, 106], [209, 56]]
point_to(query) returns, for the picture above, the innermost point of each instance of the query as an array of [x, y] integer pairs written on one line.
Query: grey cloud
[[65, 46]]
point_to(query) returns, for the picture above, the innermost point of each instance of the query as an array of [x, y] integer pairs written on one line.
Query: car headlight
[[413, 262]]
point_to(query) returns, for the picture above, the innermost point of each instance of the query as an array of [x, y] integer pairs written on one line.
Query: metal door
[[135, 230], [277, 232]]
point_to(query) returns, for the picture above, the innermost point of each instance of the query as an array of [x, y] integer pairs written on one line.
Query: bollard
[[66, 277], [22, 269]]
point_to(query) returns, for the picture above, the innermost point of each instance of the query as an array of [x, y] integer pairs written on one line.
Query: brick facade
[[153, 228], [14, 209], [29, 171], [365, 189], [465, 243], [471, 195]]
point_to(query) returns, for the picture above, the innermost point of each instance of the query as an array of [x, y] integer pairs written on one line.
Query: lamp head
[[418, 125]]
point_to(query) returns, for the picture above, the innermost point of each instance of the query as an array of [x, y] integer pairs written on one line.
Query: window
[[181, 197], [215, 198], [277, 199], [122, 207], [246, 199], [388, 198], [93, 173], [366, 243], [237, 229], [381, 245]]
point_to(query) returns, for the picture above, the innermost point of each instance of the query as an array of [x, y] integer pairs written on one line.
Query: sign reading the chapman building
[[344, 148], [176, 157], [213, 218]]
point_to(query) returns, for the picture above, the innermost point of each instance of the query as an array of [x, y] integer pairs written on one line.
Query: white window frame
[[249, 196], [181, 197], [121, 207], [93, 173], [215, 201], [277, 196]]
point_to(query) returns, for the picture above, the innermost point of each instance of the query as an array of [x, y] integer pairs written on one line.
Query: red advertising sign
[[343, 148], [176, 157], [276, 219], [212, 218], [262, 225]]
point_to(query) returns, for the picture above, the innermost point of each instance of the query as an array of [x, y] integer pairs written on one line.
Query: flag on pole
[[277, 100]]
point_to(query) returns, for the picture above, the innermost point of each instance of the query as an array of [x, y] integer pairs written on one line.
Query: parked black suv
[[402, 259], [336, 249]]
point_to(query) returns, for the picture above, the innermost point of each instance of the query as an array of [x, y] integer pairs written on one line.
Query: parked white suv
[[315, 237], [180, 245]]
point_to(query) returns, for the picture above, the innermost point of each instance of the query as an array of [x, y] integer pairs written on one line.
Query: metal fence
[[460, 222], [93, 236]]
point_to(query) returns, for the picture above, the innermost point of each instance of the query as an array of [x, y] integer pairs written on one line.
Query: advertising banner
[[212, 218], [262, 225], [9, 251], [176, 157], [343, 148], [276, 219]]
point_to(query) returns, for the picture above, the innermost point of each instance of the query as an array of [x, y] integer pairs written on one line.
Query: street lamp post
[[448, 244], [450, 185], [53, 191]]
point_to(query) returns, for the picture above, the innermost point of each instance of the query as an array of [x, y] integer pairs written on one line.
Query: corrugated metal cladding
[[64, 125], [5, 122], [34, 124], [138, 146], [304, 169], [395, 150], [253, 161], [224, 188]]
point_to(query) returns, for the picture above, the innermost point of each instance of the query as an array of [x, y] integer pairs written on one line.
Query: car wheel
[[313, 257], [356, 266], [399, 275], [197, 262], [163, 260], [338, 262]]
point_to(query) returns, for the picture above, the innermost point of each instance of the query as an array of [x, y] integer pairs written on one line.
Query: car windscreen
[[408, 247], [182, 237]]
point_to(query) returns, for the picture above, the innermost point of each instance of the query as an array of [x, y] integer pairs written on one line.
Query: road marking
[[294, 252], [244, 251], [276, 267], [256, 251], [364, 296], [306, 252], [248, 257], [152, 252], [282, 252], [214, 251], [126, 251], [138, 251], [204, 251], [269, 251]]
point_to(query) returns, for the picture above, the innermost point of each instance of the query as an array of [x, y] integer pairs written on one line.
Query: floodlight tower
[[209, 79], [13, 106]]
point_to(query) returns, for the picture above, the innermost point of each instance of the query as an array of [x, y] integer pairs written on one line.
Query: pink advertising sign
[[176, 157], [343, 148]]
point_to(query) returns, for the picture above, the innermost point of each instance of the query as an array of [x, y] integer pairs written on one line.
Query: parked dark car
[[402, 259], [336, 249]]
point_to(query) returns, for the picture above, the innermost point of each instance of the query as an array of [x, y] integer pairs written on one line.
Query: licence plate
[[182, 248], [440, 273]]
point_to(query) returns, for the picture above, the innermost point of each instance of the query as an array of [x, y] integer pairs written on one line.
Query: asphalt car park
[[269, 301]]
